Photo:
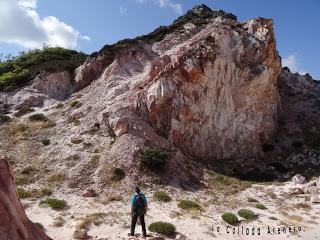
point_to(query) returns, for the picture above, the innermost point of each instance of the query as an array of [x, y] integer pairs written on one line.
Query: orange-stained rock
[[14, 223]]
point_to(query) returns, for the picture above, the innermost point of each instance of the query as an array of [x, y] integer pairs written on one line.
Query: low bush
[[230, 218], [261, 206], [56, 178], [250, 199], [154, 158], [118, 174], [4, 118], [75, 104], [76, 140], [162, 196], [45, 142], [188, 204], [23, 193], [59, 105], [247, 214], [38, 117], [28, 170], [17, 72], [164, 228], [23, 112], [54, 203]]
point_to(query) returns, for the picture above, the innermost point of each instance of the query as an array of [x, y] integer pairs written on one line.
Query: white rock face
[[214, 95], [27, 98], [298, 179], [57, 85], [315, 199]]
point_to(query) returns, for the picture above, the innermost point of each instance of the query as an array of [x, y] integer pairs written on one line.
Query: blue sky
[[88, 25]]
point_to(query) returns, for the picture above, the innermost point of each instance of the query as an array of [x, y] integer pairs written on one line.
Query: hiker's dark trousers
[[133, 224]]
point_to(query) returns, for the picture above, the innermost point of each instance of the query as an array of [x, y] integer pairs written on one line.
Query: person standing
[[138, 210]]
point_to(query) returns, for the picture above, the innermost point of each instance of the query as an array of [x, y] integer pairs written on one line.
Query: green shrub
[[46, 192], [19, 71], [23, 193], [4, 118], [23, 112], [261, 206], [56, 178], [28, 170], [75, 104], [54, 203], [162, 196], [164, 228], [45, 142], [59, 105], [250, 199], [38, 117], [230, 218], [118, 174], [188, 204], [154, 158], [76, 140], [247, 214], [39, 225]]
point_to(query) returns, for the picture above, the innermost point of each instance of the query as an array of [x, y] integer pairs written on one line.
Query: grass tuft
[[188, 204], [230, 218], [261, 206], [247, 214], [54, 203], [162, 196], [164, 228]]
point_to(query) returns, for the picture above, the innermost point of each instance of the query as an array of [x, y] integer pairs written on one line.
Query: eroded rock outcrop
[[207, 83], [14, 223], [57, 85]]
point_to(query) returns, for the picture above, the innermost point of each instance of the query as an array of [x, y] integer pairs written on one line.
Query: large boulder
[[14, 223]]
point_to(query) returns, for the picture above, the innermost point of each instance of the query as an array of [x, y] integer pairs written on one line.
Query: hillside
[[200, 109]]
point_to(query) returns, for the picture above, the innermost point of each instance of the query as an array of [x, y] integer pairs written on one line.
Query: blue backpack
[[140, 206]]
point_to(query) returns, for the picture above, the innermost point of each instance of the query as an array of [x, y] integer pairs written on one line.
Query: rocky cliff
[[205, 88], [208, 85]]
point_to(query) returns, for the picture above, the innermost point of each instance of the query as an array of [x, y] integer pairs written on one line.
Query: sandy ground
[[195, 225]]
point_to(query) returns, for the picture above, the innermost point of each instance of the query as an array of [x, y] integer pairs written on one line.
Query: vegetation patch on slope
[[18, 71]]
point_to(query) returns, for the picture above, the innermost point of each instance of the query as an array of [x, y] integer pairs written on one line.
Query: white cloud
[[177, 7], [292, 63], [123, 10], [21, 24]]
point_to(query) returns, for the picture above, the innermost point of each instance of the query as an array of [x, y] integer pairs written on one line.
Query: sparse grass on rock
[[28, 170], [230, 218], [118, 174], [188, 204], [162, 196], [23, 112], [250, 199], [23, 193], [45, 142], [227, 185], [75, 104], [76, 140], [163, 228], [54, 203], [247, 214], [94, 218], [154, 158], [261, 206], [38, 117], [4, 119], [56, 178]]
